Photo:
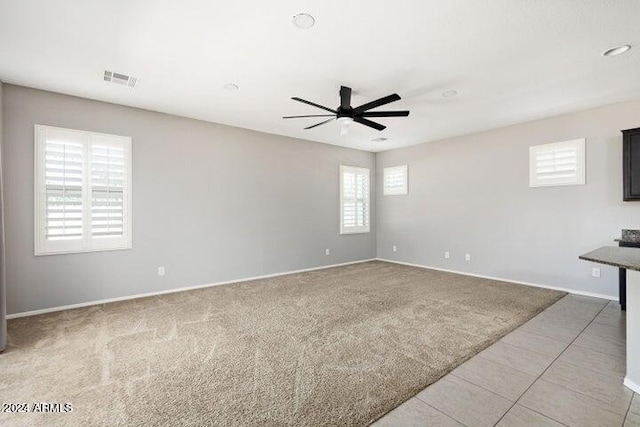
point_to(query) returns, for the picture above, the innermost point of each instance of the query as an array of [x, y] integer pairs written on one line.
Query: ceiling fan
[[346, 114]]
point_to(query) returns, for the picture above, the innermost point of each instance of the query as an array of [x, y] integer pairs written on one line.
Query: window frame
[[579, 179], [356, 229], [399, 191], [87, 243]]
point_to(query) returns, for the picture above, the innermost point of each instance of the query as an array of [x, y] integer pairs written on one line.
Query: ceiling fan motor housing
[[345, 112]]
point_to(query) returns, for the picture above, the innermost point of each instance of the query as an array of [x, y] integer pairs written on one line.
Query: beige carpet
[[340, 346]]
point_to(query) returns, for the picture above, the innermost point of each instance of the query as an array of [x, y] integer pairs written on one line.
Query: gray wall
[[214, 203], [470, 195], [3, 300], [210, 203]]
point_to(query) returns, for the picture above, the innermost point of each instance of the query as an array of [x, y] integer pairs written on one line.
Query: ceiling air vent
[[121, 79]]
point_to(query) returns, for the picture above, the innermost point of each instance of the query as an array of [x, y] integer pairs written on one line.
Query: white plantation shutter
[[395, 180], [83, 194], [107, 189], [64, 163], [354, 200], [559, 163]]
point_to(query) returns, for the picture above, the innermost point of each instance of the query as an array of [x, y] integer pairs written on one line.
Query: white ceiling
[[510, 60]]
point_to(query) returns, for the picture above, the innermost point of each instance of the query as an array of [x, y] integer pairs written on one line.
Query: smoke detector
[[121, 79], [304, 21]]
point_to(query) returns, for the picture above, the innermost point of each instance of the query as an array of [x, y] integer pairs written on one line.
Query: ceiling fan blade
[[345, 97], [377, 103], [369, 123], [314, 104], [314, 115], [318, 124], [403, 113]]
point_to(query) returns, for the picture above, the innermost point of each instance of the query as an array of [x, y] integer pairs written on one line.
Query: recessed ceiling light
[[304, 20], [617, 50], [231, 87], [381, 139], [449, 93]]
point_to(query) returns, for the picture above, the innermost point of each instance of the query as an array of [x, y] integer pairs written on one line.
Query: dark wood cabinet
[[631, 163]]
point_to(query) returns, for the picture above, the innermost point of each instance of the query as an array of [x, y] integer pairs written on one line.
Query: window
[[83, 191], [395, 180], [354, 200], [560, 163]]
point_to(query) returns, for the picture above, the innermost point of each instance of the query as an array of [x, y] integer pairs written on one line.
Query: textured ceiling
[[510, 60]]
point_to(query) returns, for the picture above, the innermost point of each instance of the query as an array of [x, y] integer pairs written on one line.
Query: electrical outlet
[[447, 255], [595, 272], [395, 248], [327, 251], [467, 257], [160, 271]]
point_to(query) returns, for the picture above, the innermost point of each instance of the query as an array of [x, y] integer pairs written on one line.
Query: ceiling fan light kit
[[346, 114], [345, 122]]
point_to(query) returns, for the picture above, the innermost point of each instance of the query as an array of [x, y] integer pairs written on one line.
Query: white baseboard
[[170, 291], [266, 276], [631, 385], [502, 279]]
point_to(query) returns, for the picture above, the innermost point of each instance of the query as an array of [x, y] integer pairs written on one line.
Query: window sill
[[355, 232], [80, 251]]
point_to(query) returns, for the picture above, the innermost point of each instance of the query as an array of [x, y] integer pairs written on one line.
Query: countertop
[[627, 241], [616, 256]]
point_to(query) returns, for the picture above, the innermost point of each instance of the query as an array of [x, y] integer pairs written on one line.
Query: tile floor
[[564, 367]]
